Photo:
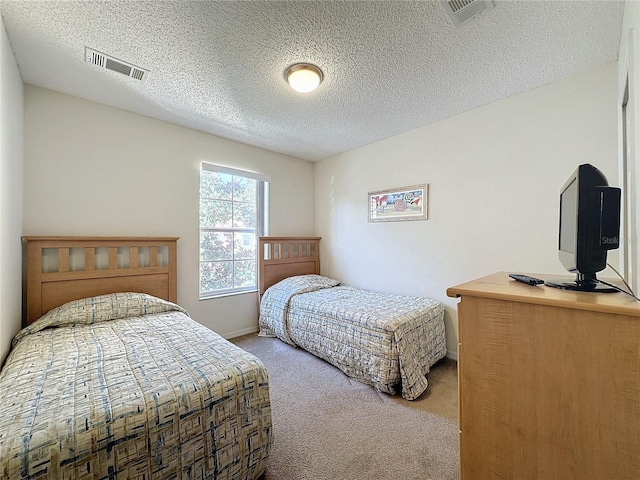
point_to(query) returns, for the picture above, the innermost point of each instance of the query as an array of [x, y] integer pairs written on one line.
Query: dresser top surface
[[500, 287]]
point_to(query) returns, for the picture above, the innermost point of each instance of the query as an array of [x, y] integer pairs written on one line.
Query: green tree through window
[[232, 216]]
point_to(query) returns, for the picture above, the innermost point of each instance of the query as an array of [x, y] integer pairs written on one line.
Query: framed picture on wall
[[399, 204]]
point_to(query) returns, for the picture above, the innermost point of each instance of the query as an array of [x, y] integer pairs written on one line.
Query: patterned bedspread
[[127, 386], [384, 340]]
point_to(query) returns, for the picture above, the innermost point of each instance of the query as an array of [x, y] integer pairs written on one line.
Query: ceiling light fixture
[[303, 77]]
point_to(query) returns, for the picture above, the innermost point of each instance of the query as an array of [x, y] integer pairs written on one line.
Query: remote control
[[533, 281]]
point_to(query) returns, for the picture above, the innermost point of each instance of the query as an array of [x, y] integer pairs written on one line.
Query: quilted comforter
[[388, 341], [127, 386]]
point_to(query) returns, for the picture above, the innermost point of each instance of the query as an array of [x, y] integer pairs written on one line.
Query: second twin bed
[[387, 341]]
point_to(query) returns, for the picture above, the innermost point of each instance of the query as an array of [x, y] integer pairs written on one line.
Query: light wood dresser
[[549, 382]]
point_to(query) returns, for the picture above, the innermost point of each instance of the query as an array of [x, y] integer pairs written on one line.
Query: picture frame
[[399, 204]]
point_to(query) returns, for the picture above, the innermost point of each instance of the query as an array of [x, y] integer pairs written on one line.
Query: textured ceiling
[[390, 66]]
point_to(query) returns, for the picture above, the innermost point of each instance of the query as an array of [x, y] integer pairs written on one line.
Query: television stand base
[[572, 284]]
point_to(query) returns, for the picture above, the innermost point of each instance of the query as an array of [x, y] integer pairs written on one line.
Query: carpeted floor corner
[[328, 427]]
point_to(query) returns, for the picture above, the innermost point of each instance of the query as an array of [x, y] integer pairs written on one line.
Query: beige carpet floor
[[328, 427]]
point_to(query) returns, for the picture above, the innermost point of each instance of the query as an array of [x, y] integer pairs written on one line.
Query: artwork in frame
[[399, 204]]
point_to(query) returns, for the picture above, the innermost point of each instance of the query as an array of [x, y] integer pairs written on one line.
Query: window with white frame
[[233, 214]]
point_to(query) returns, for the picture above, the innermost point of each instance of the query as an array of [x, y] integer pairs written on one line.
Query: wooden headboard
[[282, 257], [61, 269]]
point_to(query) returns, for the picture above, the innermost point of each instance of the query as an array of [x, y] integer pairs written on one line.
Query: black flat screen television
[[589, 228]]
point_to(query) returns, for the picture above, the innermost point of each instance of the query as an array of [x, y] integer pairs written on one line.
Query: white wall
[[96, 170], [629, 141], [495, 174], [11, 137], [632, 21]]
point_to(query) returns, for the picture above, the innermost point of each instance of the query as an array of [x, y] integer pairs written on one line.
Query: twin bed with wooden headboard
[[112, 379], [387, 341]]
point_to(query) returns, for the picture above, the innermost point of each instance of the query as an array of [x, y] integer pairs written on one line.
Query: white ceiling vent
[[463, 11], [93, 57]]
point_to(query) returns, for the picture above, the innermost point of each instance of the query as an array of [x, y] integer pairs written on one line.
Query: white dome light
[[304, 77]]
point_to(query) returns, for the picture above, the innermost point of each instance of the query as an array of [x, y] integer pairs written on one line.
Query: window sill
[[211, 296]]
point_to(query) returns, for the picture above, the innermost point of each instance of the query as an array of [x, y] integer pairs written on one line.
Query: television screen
[[589, 226], [568, 218]]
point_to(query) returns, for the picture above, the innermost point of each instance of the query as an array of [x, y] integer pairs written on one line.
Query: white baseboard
[[452, 355], [239, 333]]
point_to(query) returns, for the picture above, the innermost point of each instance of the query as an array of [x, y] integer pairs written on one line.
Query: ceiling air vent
[[463, 11], [93, 57]]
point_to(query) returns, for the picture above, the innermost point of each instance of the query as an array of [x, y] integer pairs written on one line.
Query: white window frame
[[262, 222]]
